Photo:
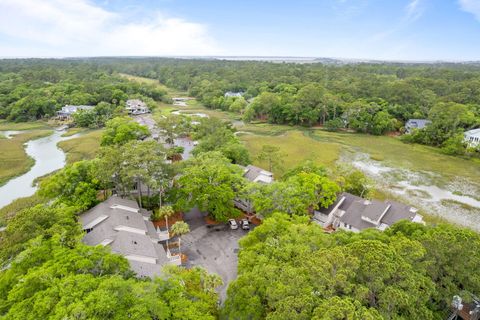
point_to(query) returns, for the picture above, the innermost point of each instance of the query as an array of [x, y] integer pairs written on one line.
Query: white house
[[353, 213], [472, 137], [127, 230], [231, 94], [135, 106], [67, 111]]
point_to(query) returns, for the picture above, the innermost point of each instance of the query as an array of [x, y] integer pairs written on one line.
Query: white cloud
[[81, 28], [414, 10], [471, 6]]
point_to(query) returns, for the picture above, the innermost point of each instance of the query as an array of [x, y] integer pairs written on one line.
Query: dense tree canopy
[[34, 89], [290, 269], [215, 135], [211, 183], [120, 130], [370, 98]]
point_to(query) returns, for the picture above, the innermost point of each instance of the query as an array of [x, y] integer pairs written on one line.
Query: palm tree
[[180, 228], [165, 212]]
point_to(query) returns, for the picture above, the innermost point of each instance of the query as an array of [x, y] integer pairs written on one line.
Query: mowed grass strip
[[295, 147], [84, 147], [14, 161]]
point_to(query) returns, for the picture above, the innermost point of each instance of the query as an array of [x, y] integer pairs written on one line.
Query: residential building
[[418, 124], [472, 137], [136, 106], [256, 174], [354, 213], [127, 229], [68, 110], [232, 94], [253, 174]]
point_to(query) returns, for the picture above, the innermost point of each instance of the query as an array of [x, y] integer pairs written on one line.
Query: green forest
[[369, 98]]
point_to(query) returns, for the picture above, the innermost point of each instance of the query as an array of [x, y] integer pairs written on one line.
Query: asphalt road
[[214, 248]]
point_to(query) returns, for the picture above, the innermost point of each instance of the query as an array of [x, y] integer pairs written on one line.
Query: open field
[[84, 147], [295, 148], [14, 161], [170, 91]]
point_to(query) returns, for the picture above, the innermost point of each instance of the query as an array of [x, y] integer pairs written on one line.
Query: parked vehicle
[[233, 224], [245, 224]]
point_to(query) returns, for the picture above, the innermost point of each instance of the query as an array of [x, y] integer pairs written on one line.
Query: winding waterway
[[48, 158]]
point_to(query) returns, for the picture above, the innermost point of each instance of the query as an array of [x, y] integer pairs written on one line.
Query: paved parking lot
[[214, 248]]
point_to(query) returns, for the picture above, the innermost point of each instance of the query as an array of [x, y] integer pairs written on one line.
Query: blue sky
[[363, 29]]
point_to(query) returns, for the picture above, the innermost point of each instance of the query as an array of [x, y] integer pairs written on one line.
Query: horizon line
[[247, 58]]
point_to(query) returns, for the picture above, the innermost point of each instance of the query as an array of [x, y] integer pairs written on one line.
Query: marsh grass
[[9, 211], [22, 126], [82, 148], [14, 161]]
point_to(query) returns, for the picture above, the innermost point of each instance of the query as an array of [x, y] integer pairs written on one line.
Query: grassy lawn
[[20, 126], [14, 161], [83, 147], [295, 147], [170, 91]]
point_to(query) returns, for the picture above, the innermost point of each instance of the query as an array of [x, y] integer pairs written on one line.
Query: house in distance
[[67, 111], [472, 137], [136, 106], [417, 124]]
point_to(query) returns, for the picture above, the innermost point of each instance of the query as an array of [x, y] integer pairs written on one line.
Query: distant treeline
[[33, 89], [369, 98]]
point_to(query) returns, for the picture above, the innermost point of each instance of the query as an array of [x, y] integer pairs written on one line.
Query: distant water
[[48, 158]]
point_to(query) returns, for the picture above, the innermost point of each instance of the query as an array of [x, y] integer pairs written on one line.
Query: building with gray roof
[[256, 174], [416, 124], [127, 230], [136, 106], [67, 111], [252, 174], [354, 213]]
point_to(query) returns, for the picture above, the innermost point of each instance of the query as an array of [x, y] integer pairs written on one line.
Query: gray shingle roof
[[252, 173], [127, 231], [398, 211], [144, 270], [356, 207]]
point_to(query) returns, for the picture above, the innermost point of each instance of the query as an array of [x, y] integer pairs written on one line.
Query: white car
[[233, 224], [245, 224]]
